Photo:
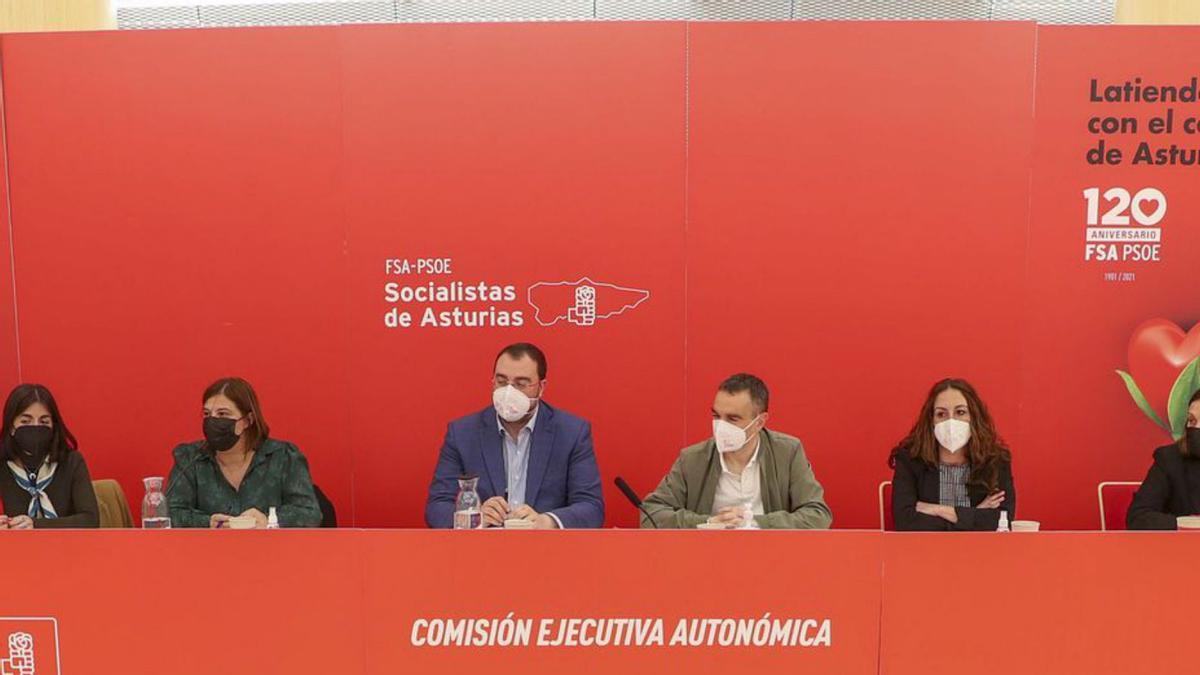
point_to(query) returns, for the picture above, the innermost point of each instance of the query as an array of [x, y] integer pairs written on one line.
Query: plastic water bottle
[[272, 520], [155, 514], [1003, 526], [467, 513], [748, 517]]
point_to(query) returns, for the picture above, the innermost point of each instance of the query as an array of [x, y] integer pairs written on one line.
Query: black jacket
[[71, 492], [915, 481], [1171, 489]]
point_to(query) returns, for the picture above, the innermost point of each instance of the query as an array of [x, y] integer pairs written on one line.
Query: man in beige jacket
[[743, 471]]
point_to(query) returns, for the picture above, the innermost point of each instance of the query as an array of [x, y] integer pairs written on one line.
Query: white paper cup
[[1188, 523], [711, 526], [1026, 526], [518, 524], [241, 523]]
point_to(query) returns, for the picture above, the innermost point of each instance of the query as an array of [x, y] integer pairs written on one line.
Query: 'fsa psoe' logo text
[[28, 646], [582, 302]]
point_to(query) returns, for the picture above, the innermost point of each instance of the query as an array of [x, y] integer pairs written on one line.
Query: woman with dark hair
[[238, 469], [952, 471], [1172, 486], [44, 481]]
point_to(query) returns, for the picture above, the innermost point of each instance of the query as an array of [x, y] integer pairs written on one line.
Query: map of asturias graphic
[[581, 302]]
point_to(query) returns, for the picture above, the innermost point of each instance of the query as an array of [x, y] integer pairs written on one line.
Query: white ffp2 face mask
[[511, 404], [730, 437], [952, 434]]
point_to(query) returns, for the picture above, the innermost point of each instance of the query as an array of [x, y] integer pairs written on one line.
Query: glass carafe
[[467, 515], [155, 514]]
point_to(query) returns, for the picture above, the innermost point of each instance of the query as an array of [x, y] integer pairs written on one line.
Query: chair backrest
[[114, 510], [1115, 498], [328, 514], [886, 522]]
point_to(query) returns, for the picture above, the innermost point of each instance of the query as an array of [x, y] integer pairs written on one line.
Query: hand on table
[[20, 523], [730, 516], [494, 511], [540, 521], [260, 521]]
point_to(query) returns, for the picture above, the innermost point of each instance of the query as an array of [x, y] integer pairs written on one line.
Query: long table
[[620, 601]]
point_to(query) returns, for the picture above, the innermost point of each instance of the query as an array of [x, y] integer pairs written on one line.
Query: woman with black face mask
[[238, 470], [1172, 487], [44, 481]]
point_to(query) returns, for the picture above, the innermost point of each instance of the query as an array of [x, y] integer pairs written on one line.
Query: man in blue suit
[[534, 462]]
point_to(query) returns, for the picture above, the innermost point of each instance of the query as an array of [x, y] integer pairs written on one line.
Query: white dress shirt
[[516, 462], [736, 490]]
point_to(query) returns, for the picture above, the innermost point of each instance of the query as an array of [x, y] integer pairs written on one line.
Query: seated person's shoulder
[[187, 452], [474, 420], [286, 448], [567, 420], [73, 458], [904, 459], [697, 453], [1006, 459], [781, 442], [1167, 455]]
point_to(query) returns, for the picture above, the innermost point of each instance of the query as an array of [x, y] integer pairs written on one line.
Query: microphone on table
[[187, 467], [633, 498], [182, 473]]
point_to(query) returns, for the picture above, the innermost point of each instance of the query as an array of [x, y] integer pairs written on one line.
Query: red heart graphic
[[1158, 351], [1154, 212]]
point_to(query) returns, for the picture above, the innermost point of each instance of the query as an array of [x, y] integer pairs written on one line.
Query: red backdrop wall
[[852, 218], [181, 221], [1080, 424], [850, 210], [9, 361], [526, 154]]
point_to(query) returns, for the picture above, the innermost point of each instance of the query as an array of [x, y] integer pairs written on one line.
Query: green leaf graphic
[[1177, 405], [1141, 401]]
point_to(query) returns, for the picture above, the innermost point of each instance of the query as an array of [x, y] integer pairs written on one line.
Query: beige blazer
[[791, 496]]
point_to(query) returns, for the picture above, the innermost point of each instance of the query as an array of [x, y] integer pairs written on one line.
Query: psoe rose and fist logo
[[28, 646]]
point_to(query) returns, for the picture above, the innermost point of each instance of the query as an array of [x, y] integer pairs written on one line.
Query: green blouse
[[278, 476]]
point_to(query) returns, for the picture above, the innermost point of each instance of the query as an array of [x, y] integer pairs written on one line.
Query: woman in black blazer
[[1172, 486], [952, 471], [44, 481]]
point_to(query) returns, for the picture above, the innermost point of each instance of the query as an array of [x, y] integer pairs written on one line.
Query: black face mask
[[218, 433], [33, 442], [1193, 441]]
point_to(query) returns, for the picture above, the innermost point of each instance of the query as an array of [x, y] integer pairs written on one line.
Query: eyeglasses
[[520, 383]]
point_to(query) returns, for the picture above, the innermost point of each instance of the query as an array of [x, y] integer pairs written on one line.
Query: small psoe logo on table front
[[20, 655], [582, 302], [28, 645], [584, 311]]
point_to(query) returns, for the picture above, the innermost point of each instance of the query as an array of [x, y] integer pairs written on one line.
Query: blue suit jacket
[[563, 476]]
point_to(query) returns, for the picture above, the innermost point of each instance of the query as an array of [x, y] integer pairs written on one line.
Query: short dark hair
[[736, 384], [518, 350], [62, 441], [242, 394]]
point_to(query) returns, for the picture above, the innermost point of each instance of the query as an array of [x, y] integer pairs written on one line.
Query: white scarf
[[40, 505]]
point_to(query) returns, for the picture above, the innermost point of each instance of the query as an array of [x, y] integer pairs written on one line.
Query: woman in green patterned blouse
[[238, 470]]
